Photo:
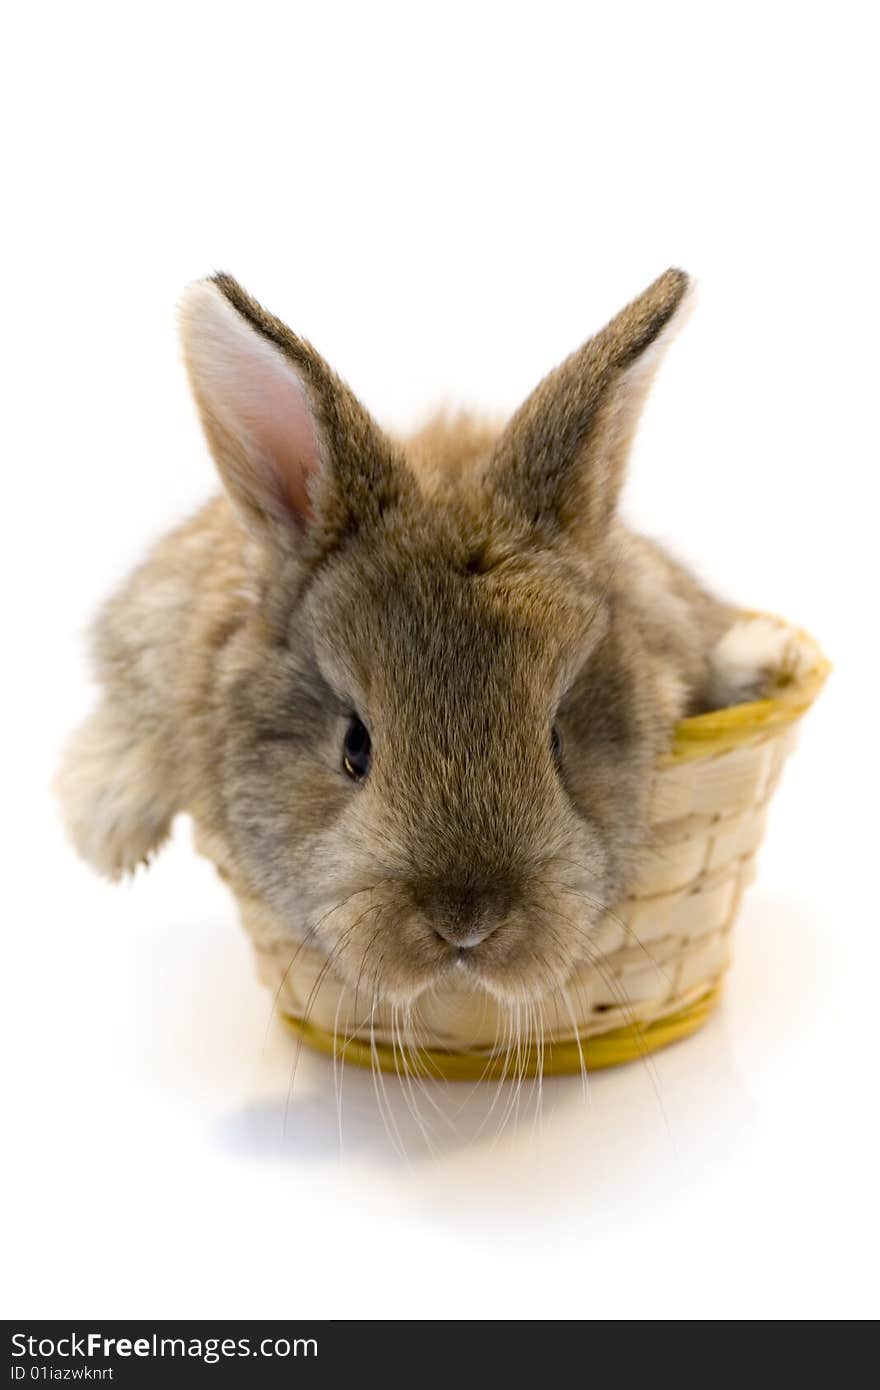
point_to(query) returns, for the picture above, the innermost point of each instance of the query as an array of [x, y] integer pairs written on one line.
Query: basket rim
[[703, 735], [631, 1043]]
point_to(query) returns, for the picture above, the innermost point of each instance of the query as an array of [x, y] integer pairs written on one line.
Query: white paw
[[752, 657], [115, 801]]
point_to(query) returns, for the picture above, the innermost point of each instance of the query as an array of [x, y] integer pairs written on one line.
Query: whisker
[[380, 1079], [322, 974], [619, 992], [517, 1079], [312, 931], [606, 911], [407, 1080], [491, 1058], [416, 1054], [507, 1055], [338, 1073]]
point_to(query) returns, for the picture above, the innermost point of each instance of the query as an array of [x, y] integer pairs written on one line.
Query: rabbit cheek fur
[[518, 658]]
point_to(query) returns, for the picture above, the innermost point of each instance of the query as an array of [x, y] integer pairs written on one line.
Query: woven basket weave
[[664, 948]]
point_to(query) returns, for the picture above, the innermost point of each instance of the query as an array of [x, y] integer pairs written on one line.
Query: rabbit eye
[[556, 743], [356, 750]]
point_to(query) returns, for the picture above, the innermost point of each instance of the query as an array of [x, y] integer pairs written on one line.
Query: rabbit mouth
[[502, 965]]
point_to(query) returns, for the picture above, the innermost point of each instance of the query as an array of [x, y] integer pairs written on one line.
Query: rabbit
[[416, 687]]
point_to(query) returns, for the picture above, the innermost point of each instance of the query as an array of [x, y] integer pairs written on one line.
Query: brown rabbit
[[415, 689]]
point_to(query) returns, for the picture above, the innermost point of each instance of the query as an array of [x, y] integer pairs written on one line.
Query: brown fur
[[461, 592]]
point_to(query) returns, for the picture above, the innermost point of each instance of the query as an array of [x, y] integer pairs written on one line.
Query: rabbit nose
[[463, 940], [464, 916]]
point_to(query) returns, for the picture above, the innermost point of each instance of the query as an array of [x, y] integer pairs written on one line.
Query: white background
[[446, 199]]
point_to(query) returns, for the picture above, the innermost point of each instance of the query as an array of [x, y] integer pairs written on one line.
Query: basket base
[[602, 1050]]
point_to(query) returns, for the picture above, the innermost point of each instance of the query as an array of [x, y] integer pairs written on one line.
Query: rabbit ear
[[561, 460], [296, 450]]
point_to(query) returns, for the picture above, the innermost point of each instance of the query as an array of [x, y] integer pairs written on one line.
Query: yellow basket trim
[[560, 1058]]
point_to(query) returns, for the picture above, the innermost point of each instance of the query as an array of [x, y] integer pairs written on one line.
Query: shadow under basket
[[664, 949]]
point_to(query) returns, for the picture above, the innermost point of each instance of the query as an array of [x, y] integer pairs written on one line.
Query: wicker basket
[[665, 948]]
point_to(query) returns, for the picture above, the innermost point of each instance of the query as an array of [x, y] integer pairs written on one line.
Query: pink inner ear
[[281, 426], [255, 407], [279, 422]]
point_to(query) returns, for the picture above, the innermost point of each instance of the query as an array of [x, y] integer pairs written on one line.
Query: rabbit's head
[[434, 740]]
